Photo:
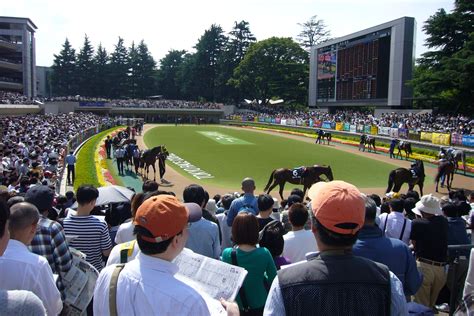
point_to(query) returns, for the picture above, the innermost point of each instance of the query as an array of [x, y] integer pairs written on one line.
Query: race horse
[[456, 155], [322, 135], [400, 176], [445, 170], [406, 147], [308, 177], [149, 157], [369, 141]]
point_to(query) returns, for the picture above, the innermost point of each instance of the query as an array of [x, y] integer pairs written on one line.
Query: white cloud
[[166, 25]]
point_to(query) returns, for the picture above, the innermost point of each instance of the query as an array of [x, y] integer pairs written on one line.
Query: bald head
[[248, 185], [22, 216]]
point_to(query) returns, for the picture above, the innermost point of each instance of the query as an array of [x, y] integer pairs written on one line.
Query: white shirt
[[395, 226], [226, 231], [298, 244], [125, 233], [23, 270], [147, 286]]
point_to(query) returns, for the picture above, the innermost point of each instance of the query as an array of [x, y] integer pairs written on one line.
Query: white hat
[[211, 206], [428, 204]]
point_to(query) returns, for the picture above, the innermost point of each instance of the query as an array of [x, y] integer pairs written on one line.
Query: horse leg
[[397, 187], [282, 186], [420, 185], [272, 187], [154, 172]]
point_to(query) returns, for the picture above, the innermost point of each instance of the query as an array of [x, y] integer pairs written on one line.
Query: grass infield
[[230, 155]]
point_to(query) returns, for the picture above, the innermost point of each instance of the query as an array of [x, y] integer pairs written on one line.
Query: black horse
[[446, 169], [149, 157], [367, 140], [322, 135], [310, 176], [456, 155], [400, 176], [406, 147]]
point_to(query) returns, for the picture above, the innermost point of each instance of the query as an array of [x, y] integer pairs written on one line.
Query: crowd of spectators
[[413, 121], [33, 147], [371, 242]]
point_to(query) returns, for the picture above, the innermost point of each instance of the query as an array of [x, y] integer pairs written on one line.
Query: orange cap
[[164, 216], [338, 206]]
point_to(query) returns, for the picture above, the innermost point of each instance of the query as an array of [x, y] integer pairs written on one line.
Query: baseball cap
[[164, 216], [41, 196], [338, 206]]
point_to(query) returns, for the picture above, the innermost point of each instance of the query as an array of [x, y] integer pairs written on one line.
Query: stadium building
[[367, 68], [17, 55]]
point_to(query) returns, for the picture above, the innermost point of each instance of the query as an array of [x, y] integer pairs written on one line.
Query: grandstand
[[17, 56]]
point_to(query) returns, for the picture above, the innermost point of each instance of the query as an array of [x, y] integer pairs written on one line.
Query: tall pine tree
[[167, 77], [63, 78], [100, 78], [119, 71], [85, 69]]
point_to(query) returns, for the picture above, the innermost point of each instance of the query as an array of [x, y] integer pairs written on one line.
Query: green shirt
[[261, 270]]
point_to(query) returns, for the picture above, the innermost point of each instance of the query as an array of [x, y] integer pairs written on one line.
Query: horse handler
[[162, 166], [119, 154]]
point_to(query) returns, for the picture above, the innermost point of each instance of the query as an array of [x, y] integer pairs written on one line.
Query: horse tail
[[269, 181], [391, 179]]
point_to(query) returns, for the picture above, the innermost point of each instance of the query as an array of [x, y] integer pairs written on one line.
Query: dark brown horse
[[323, 136], [149, 157], [400, 176], [445, 169], [406, 147], [310, 176]]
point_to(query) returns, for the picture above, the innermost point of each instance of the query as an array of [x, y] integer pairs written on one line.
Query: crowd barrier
[[436, 138]]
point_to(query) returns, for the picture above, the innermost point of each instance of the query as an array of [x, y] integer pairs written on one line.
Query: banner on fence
[[413, 135], [360, 128], [353, 129], [426, 136], [326, 124], [441, 139], [367, 129], [374, 130], [347, 127], [403, 133], [468, 140], [277, 120], [394, 132], [456, 139], [384, 131], [283, 122], [339, 126]]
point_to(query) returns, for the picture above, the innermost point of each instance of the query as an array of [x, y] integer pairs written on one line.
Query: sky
[[178, 24]]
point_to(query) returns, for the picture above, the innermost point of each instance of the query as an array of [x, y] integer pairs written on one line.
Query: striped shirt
[[93, 237]]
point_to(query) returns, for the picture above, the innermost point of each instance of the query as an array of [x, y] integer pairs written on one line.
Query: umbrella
[[112, 194]]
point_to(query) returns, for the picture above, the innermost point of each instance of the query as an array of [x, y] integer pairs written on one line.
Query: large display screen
[[355, 69]]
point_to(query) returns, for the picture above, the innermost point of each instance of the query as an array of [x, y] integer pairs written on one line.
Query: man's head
[[161, 225], [149, 186], [248, 185], [227, 201], [40, 196], [396, 205], [338, 213], [370, 211], [86, 196], [194, 193], [292, 199], [23, 221], [265, 202], [298, 215], [299, 192], [4, 233], [428, 206]]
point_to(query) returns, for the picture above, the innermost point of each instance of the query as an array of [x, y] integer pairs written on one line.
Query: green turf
[[230, 162]]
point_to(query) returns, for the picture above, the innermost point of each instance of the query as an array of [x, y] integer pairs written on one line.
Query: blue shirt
[[457, 235], [394, 253], [204, 238], [70, 159], [275, 306], [247, 199]]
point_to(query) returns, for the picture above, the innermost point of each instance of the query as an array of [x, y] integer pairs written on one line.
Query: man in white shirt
[[23, 270], [146, 285], [298, 241], [395, 224]]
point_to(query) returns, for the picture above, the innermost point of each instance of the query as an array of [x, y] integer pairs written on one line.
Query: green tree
[[209, 50], [63, 79], [145, 69], [119, 71], [167, 77], [85, 69], [100, 78], [313, 32], [240, 39], [445, 72], [134, 65], [273, 68]]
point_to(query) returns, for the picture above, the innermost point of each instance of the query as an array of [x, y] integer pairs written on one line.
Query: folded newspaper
[[213, 279], [79, 284]]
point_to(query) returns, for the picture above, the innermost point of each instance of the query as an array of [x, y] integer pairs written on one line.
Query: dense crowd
[[419, 122], [392, 250], [33, 147]]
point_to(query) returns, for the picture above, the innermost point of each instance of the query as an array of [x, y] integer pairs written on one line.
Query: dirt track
[[180, 181]]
